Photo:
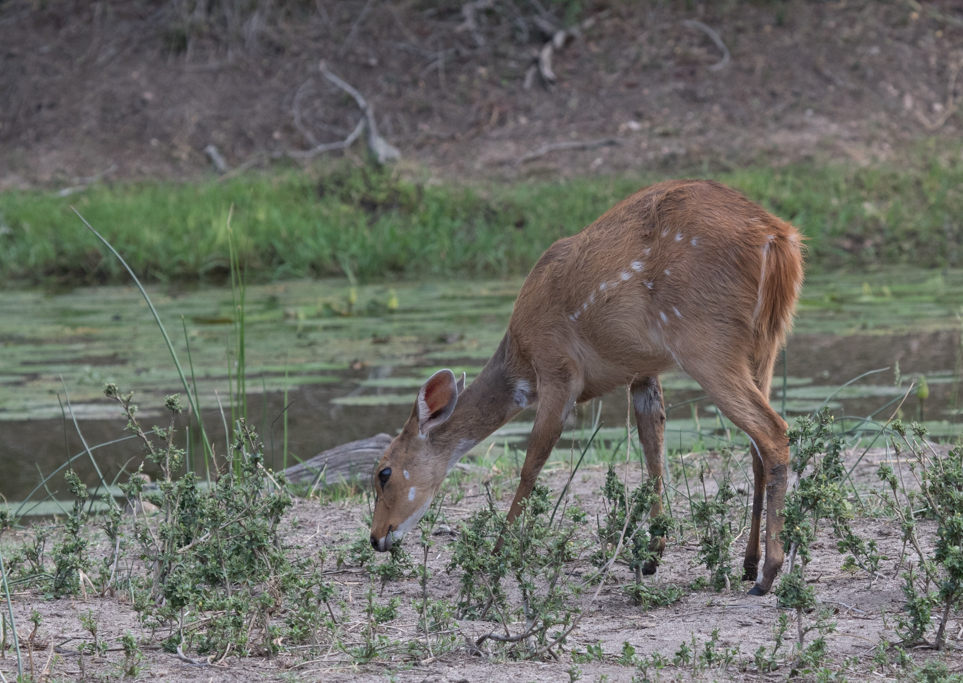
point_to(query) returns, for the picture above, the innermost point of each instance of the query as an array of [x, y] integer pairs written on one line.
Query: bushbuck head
[[416, 462]]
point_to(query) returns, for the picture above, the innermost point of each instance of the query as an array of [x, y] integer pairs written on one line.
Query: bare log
[[350, 461]]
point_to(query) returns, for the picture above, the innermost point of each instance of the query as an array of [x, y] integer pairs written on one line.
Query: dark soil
[[139, 89]]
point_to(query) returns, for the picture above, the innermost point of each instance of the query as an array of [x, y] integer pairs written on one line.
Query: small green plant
[[68, 555], [532, 555], [132, 656], [714, 520], [934, 582]]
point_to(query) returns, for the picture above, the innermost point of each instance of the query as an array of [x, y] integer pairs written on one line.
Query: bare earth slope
[[140, 89]]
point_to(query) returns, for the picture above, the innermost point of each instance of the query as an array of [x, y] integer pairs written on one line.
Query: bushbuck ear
[[436, 400], [460, 385]]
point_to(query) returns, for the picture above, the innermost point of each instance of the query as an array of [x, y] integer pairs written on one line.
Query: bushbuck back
[[686, 273]]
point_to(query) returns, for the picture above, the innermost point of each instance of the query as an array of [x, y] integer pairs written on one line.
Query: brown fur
[[688, 272]]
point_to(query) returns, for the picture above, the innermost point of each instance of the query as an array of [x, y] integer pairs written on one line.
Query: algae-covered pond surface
[[349, 361]]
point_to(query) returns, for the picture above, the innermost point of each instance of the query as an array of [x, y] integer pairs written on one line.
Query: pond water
[[349, 361]]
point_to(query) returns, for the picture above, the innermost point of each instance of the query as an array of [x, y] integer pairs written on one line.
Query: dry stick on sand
[[692, 23], [381, 148], [578, 144]]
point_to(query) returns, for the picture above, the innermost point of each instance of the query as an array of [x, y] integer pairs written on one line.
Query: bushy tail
[[780, 282]]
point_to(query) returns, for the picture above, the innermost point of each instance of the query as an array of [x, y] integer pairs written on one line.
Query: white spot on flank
[[677, 314], [662, 315], [576, 315], [522, 389], [648, 283], [602, 287], [592, 298], [411, 493], [626, 275], [584, 306], [665, 232], [405, 472], [636, 266], [572, 318], [695, 241], [678, 237], [647, 250], [666, 271]]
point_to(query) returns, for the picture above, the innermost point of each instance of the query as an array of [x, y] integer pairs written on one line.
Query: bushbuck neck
[[447, 421], [685, 273]]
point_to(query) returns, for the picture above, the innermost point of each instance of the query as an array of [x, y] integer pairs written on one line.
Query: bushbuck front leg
[[553, 405], [650, 418]]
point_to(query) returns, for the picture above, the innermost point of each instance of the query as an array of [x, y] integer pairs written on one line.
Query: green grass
[[378, 224]]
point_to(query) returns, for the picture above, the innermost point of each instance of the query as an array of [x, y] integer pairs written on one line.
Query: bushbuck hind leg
[[762, 376], [753, 548], [650, 417], [732, 389]]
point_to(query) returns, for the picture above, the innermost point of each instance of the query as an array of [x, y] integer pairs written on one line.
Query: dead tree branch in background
[[383, 151], [579, 144], [692, 23]]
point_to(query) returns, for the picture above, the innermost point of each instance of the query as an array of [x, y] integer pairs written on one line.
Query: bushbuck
[[685, 273]]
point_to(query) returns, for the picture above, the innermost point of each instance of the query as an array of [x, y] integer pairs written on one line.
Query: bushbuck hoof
[[656, 547], [750, 571], [757, 590]]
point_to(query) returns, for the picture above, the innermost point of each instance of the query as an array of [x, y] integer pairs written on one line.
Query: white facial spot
[[666, 271], [602, 287], [636, 266], [626, 275], [662, 315], [677, 314], [678, 237], [405, 472], [695, 241], [411, 493]]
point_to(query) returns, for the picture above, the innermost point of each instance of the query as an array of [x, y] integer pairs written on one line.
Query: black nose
[[374, 543]]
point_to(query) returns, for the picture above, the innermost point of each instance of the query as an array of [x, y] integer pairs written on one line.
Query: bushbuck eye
[[384, 475]]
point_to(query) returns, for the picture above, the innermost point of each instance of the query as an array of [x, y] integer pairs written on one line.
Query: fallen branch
[[578, 144], [951, 104], [935, 13], [470, 11], [692, 23], [216, 159], [81, 184], [381, 148], [543, 63], [184, 658]]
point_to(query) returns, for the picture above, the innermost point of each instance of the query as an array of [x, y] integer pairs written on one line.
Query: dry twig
[[576, 144], [951, 103], [718, 66]]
